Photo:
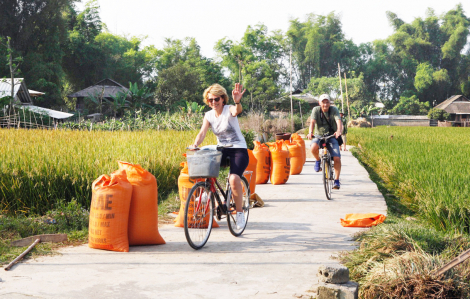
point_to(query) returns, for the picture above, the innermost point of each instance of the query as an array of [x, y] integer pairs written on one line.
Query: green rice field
[[40, 167], [427, 167]]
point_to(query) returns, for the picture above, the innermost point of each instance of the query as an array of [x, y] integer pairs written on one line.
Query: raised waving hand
[[237, 92]]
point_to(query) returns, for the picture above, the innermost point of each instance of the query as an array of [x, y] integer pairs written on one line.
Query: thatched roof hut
[[458, 107], [106, 88]]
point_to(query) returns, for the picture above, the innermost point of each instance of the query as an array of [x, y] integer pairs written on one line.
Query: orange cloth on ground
[[262, 154], [109, 212], [362, 220], [252, 166], [143, 212], [185, 183]]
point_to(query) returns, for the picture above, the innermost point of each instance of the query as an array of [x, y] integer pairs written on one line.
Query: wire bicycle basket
[[203, 163]]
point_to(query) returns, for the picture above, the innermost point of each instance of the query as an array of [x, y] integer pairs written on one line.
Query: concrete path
[[276, 257]]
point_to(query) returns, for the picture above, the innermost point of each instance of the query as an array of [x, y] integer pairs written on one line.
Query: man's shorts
[[331, 145]]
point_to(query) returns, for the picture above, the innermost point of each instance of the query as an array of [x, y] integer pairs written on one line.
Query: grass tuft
[[420, 173]]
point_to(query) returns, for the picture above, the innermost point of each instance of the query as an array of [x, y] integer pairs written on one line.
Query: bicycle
[[327, 166], [200, 204]]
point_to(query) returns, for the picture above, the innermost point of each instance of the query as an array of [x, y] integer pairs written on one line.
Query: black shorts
[[238, 159]]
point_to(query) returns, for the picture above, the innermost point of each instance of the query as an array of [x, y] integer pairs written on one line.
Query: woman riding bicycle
[[224, 122]]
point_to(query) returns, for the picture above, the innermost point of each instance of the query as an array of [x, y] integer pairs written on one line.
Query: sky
[[209, 20]]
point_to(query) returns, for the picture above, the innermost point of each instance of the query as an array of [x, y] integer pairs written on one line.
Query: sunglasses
[[214, 99]]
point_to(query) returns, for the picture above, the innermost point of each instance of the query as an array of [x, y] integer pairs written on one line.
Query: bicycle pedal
[[219, 213]]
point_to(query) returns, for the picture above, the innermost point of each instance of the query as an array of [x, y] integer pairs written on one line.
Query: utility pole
[[347, 94], [341, 88], [13, 69]]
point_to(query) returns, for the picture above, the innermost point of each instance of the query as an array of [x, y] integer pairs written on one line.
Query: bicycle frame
[[214, 186], [203, 205], [327, 165], [323, 146]]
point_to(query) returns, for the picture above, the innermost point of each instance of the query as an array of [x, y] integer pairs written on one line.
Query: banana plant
[[118, 103], [97, 98], [192, 107], [139, 97], [363, 111]]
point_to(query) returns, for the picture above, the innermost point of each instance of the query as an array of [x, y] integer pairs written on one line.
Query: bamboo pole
[[456, 261], [291, 105], [24, 119], [22, 255], [341, 88]]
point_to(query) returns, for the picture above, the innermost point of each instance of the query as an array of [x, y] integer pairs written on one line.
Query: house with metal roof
[[106, 88], [458, 107], [20, 91], [23, 98]]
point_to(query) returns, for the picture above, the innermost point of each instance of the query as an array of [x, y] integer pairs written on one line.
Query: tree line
[[62, 50]]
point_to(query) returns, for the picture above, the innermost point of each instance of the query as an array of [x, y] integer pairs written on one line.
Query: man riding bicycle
[[325, 119]]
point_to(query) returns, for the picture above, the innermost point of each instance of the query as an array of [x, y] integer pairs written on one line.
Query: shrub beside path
[[277, 256]]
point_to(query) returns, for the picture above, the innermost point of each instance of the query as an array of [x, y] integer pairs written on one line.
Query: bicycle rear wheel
[[198, 215], [327, 179], [232, 212]]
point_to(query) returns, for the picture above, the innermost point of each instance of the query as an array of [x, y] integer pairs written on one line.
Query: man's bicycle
[[327, 165], [207, 198]]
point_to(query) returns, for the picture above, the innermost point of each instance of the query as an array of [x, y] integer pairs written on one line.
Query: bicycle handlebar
[[326, 137], [217, 147]]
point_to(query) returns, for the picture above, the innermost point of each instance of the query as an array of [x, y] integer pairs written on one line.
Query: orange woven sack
[[252, 165], [296, 157], [362, 220], [296, 138], [143, 213], [263, 167], [280, 164], [273, 144], [109, 212], [184, 186]]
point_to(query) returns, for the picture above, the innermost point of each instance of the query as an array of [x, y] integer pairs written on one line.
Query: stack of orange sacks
[[279, 159]]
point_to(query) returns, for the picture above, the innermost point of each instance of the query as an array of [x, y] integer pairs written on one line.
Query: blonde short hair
[[217, 90]]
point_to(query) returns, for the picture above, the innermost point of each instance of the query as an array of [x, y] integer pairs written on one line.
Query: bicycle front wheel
[[232, 212], [327, 179], [198, 215]]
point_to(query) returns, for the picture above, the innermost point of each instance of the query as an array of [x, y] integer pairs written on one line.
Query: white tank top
[[226, 128]]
